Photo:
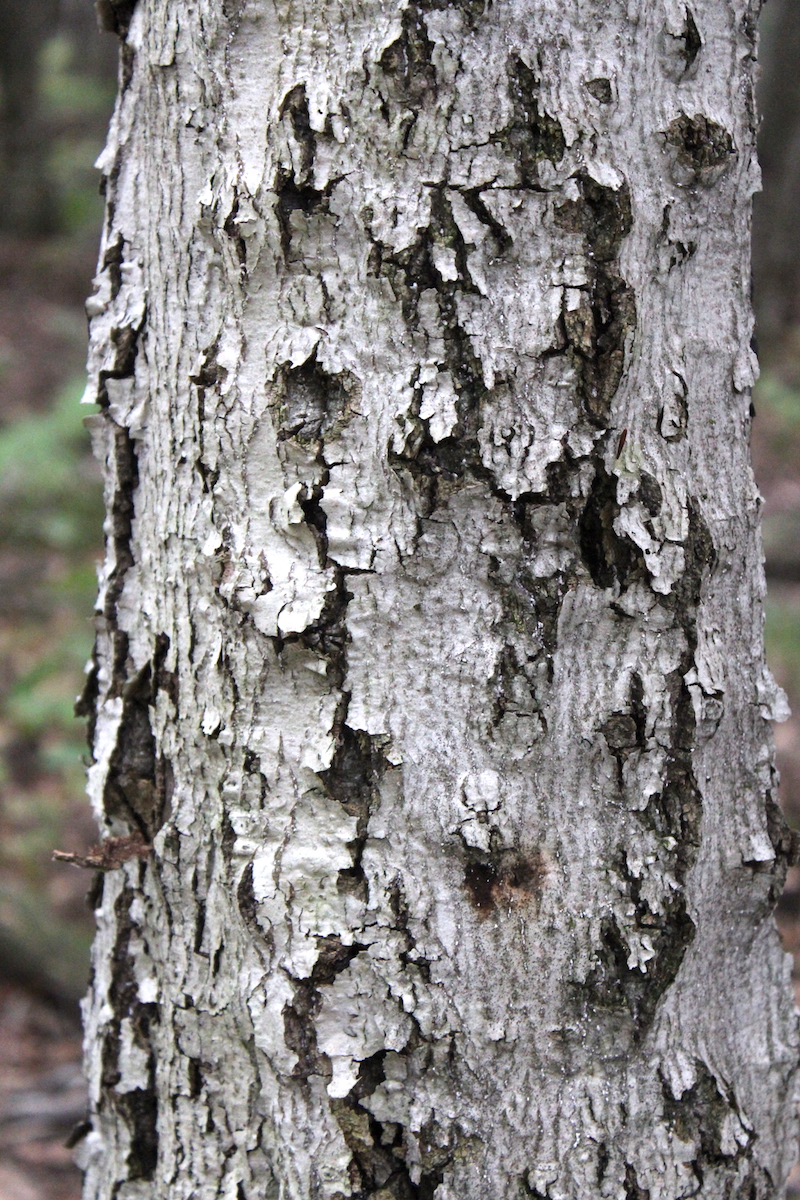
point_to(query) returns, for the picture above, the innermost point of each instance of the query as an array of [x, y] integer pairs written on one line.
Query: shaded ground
[[42, 1098]]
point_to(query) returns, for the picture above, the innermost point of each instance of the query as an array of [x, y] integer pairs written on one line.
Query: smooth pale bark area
[[430, 639]]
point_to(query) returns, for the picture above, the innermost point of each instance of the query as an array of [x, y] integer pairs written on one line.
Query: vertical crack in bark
[[296, 196], [596, 331], [533, 135], [674, 814], [609, 557], [434, 465], [299, 1017], [632, 1189], [126, 481], [407, 83], [353, 779], [704, 1116], [139, 782], [379, 1166], [692, 41], [136, 1107]]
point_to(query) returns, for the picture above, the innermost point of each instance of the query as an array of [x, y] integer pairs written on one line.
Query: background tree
[[26, 200], [776, 230], [429, 654]]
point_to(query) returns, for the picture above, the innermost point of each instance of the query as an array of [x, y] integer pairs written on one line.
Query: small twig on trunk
[[110, 854]]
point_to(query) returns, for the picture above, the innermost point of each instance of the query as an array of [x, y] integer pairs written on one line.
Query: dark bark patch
[[650, 493], [475, 203], [124, 339], [194, 1072], [600, 89], [138, 1108], [233, 232], [632, 1189], [354, 773], [620, 732], [139, 1111], [295, 107], [437, 467], [673, 429], [139, 783], [300, 1035], [299, 1031], [609, 557], [512, 683], [699, 1116], [292, 198], [294, 190], [163, 679], [126, 480], [114, 16], [333, 957], [615, 986], [379, 1165], [311, 401], [407, 64], [674, 814], [130, 792], [533, 135], [595, 332], [680, 252], [246, 899], [120, 520], [504, 880], [328, 635], [701, 559], [353, 779], [679, 52], [247, 905], [702, 146], [692, 41], [410, 271]]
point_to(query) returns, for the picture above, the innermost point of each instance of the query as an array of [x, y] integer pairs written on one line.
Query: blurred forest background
[[57, 84]]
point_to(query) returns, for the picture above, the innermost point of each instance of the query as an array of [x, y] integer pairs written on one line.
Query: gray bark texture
[[429, 653]]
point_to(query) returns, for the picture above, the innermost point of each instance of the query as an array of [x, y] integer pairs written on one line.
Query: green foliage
[[42, 700], [779, 401], [76, 107], [67, 91], [50, 495], [783, 640], [51, 523]]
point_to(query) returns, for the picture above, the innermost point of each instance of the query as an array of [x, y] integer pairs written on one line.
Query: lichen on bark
[[429, 648]]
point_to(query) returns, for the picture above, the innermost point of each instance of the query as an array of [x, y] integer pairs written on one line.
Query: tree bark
[[429, 653]]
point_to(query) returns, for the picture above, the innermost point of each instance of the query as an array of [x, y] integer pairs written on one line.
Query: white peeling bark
[[430, 650]]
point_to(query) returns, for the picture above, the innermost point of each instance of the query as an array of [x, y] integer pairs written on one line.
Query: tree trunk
[[27, 204], [430, 640], [776, 231]]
